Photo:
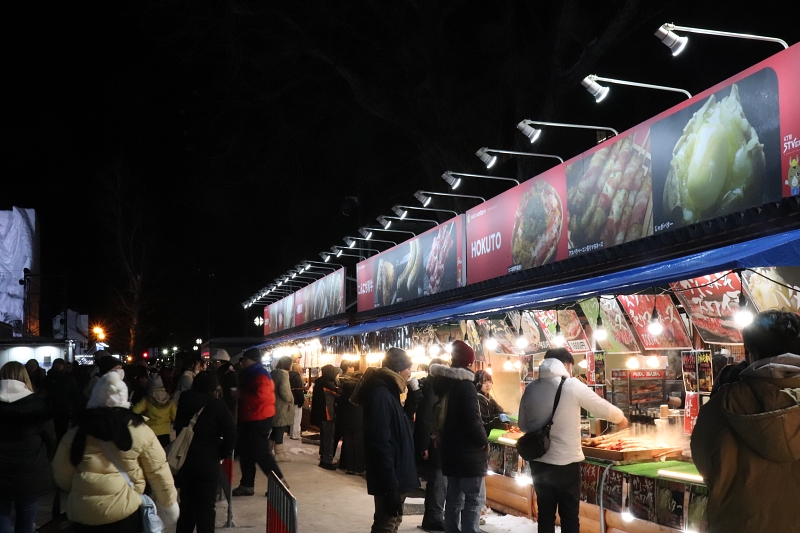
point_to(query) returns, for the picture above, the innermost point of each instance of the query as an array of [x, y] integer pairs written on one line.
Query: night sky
[[229, 134]]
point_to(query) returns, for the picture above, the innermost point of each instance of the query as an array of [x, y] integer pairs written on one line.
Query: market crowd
[[101, 434]]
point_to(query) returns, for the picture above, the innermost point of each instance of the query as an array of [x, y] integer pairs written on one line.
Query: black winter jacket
[[214, 435], [464, 446], [298, 388], [323, 404], [423, 416], [348, 416], [388, 442], [27, 440]]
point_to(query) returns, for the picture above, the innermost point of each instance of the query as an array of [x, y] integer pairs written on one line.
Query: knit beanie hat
[[462, 355], [396, 359], [254, 354], [109, 391], [106, 363]]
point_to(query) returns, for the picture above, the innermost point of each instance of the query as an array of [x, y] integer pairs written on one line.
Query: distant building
[[19, 271], [77, 329]]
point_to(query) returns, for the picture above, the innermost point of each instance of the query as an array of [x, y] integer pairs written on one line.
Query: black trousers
[[558, 488], [198, 499], [131, 524], [253, 444], [352, 457], [278, 433]]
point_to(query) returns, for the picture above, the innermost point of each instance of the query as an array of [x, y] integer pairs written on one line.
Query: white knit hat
[[221, 355], [109, 391]]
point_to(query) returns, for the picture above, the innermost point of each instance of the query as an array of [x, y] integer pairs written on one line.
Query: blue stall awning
[[782, 249], [327, 331]]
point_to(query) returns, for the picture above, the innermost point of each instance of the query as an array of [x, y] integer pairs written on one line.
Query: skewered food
[[717, 162], [440, 250], [415, 267]]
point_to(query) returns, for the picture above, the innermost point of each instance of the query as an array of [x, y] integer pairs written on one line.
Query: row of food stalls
[[635, 256]]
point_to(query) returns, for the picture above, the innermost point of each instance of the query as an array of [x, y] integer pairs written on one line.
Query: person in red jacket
[[256, 409]]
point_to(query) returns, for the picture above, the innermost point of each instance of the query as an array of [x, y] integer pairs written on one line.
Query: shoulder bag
[[151, 522], [176, 455], [535, 444]]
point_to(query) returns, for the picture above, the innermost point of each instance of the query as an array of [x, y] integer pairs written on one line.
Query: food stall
[[591, 255]]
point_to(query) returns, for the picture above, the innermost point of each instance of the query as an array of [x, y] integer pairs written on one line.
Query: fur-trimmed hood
[[445, 377], [449, 372]]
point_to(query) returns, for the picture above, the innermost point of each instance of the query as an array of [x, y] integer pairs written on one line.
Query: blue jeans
[[462, 508], [25, 514]]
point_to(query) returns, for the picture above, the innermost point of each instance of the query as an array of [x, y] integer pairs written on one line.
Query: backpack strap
[[555, 403], [115, 461]]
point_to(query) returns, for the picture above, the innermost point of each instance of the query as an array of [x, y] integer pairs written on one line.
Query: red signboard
[[321, 299], [571, 328], [522, 228], [640, 310], [712, 301], [427, 264], [731, 147]]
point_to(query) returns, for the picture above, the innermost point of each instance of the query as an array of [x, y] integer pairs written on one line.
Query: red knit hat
[[462, 355]]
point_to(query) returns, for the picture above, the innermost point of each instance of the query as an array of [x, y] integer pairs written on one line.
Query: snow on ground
[[496, 523]]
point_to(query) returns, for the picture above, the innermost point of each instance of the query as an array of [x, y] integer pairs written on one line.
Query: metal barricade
[[225, 485], [281, 507]]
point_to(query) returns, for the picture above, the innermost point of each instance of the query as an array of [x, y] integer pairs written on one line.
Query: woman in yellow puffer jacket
[[158, 409], [100, 500]]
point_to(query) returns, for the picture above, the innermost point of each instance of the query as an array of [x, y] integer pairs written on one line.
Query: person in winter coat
[[104, 364], [323, 413], [36, 374], [158, 409], [464, 446], [349, 418], [428, 456], [747, 437], [27, 440], [228, 379], [388, 441], [213, 440], [284, 407], [194, 365], [492, 414], [298, 393], [100, 500], [556, 474], [65, 397], [256, 410]]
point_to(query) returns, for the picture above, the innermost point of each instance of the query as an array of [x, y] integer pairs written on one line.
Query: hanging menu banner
[[571, 328], [639, 308], [731, 147], [773, 288], [427, 264], [711, 302], [321, 299], [619, 337]]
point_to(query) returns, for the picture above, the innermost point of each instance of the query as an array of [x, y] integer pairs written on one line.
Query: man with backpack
[[556, 474]]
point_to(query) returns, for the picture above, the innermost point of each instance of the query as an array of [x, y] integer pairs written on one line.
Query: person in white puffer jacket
[[556, 475], [100, 499]]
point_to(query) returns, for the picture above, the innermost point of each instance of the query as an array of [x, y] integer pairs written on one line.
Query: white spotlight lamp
[[488, 159], [423, 198], [595, 89], [491, 343], [655, 327]]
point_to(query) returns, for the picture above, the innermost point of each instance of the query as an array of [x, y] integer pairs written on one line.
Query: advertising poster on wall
[[427, 264], [639, 308], [321, 299], [619, 338], [712, 301], [773, 288], [520, 229], [609, 194]]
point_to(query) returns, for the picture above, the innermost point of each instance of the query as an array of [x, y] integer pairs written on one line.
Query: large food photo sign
[[321, 299], [522, 228], [427, 264]]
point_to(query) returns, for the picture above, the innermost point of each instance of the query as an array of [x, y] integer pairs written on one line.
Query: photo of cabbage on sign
[[720, 155]]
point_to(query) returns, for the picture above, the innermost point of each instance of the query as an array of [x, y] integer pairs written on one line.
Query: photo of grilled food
[[537, 226], [611, 201]]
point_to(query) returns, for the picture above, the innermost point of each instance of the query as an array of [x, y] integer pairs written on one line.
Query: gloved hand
[[169, 514], [413, 384], [393, 504], [503, 418]]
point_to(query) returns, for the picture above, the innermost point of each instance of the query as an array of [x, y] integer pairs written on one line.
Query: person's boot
[[280, 454], [241, 490]]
